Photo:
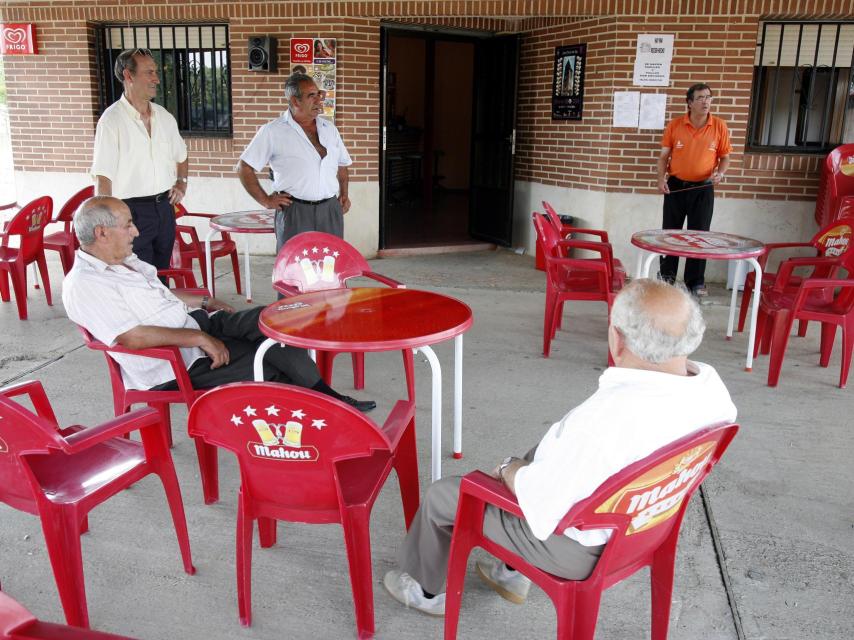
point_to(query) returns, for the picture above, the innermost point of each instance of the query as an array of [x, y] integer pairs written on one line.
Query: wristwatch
[[181, 179], [504, 464], [205, 301]]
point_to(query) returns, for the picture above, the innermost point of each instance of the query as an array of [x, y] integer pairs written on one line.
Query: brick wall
[[53, 100]]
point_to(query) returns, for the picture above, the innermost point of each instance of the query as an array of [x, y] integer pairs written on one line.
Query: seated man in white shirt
[[653, 396], [119, 300]]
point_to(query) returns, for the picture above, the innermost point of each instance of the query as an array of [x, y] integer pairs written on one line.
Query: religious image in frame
[[568, 82]]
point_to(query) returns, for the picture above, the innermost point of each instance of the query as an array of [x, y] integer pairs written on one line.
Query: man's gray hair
[[653, 334], [127, 59], [292, 85], [95, 212]]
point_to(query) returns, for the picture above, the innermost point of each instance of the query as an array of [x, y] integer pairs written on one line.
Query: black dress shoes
[[361, 405]]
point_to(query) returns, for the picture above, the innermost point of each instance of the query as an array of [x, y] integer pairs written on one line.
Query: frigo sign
[[18, 39]]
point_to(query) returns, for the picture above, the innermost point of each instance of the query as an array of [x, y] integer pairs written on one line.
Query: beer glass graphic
[[293, 434], [265, 432], [308, 271], [328, 273]]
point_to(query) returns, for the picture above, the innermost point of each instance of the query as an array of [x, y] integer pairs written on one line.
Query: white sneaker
[[510, 585], [406, 590]]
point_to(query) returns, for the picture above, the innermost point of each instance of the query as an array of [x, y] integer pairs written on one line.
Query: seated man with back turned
[[119, 299], [653, 396]]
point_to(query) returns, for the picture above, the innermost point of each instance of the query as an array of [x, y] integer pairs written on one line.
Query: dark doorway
[[429, 182]]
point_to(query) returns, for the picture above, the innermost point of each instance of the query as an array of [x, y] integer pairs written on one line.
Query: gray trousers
[[299, 217], [425, 550]]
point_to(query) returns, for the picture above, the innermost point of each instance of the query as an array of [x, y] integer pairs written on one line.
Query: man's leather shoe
[[361, 405]]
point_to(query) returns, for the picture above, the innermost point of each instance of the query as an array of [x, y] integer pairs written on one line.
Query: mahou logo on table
[[19, 39]]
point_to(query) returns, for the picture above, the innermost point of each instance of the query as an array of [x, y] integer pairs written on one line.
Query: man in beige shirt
[[140, 157]]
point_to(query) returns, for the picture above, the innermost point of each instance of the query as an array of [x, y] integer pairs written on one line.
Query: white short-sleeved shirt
[[633, 413], [137, 164], [108, 300], [296, 164]]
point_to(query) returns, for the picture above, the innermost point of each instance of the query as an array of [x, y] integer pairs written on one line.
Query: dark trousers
[[697, 205], [239, 331], [155, 222], [299, 217]]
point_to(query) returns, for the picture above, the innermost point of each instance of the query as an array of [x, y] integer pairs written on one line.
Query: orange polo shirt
[[694, 153]]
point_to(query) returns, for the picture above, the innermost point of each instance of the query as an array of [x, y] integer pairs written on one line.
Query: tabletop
[[712, 245], [365, 319], [258, 221]]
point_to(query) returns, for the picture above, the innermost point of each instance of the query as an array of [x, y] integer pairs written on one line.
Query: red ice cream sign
[[302, 50], [18, 39]]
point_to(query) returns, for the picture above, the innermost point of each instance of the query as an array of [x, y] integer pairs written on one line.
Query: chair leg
[[165, 420], [548, 324], [244, 561], [661, 580], [762, 340], [467, 527], [802, 328], [780, 330], [406, 466], [61, 526], [209, 470], [357, 539], [409, 371], [828, 335], [4, 285], [166, 473], [325, 364], [267, 533], [66, 257], [42, 263], [19, 285], [235, 268], [358, 358], [847, 349]]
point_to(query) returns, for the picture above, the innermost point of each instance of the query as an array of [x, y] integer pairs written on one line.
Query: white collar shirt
[[136, 163], [633, 413], [297, 167], [108, 300]]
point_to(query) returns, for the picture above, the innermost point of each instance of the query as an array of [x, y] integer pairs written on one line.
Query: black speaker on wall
[[262, 53]]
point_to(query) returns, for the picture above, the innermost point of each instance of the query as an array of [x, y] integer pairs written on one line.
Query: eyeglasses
[[703, 98]]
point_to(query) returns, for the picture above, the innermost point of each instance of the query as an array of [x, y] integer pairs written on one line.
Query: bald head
[[657, 321]]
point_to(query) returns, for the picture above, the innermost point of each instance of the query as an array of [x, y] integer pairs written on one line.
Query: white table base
[[436, 399]]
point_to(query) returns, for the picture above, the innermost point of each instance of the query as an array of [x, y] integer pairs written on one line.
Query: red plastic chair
[[836, 181], [572, 278], [833, 241], [305, 457], [28, 224], [829, 301], [62, 474], [643, 505], [16, 623], [314, 261], [65, 241], [124, 399], [190, 248]]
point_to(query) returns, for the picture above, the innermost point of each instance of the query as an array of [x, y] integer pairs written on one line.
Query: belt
[[679, 182], [301, 201], [154, 198]]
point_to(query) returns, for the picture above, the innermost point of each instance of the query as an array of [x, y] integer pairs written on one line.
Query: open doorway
[[427, 115]]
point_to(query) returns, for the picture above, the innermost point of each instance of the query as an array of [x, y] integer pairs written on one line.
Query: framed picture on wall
[[568, 82]]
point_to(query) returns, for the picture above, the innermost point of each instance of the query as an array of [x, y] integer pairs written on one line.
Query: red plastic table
[[708, 245], [259, 221], [376, 319]]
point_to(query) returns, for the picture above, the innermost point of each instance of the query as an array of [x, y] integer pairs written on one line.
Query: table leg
[[639, 265], [647, 264], [436, 412], [248, 277], [754, 313], [739, 265], [35, 276], [258, 365], [458, 396], [208, 265]]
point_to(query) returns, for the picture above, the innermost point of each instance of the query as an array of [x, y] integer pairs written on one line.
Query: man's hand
[[717, 177], [662, 186], [219, 305], [215, 349], [177, 192], [345, 202], [277, 201]]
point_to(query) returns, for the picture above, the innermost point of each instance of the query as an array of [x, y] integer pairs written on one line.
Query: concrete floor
[[770, 555]]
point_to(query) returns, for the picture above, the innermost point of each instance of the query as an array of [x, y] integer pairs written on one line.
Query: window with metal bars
[[194, 66], [803, 87]]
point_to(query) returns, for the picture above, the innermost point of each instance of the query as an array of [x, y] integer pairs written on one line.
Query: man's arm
[[661, 165], [250, 182], [718, 173], [103, 186], [195, 300], [144, 336], [344, 188], [179, 189], [508, 474]]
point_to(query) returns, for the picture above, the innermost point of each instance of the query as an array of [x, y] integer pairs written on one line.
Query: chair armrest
[[602, 248], [194, 236], [119, 426], [384, 279], [818, 283], [286, 289], [773, 246], [580, 263], [602, 235], [35, 390], [394, 426], [486, 488], [784, 273], [184, 278]]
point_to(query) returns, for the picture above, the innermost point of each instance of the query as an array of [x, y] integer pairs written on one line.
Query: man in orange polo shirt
[[694, 157]]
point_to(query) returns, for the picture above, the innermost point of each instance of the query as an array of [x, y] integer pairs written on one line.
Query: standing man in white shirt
[[141, 158], [309, 164], [653, 396]]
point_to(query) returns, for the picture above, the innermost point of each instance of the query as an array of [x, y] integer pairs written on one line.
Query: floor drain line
[[38, 367], [719, 553]]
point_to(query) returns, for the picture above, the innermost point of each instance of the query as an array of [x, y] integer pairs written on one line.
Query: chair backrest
[[29, 224], [645, 502], [287, 441], [836, 180], [547, 235], [313, 260], [66, 214], [23, 433]]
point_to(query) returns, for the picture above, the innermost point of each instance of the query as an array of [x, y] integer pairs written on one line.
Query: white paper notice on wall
[[652, 107], [626, 104], [652, 60]]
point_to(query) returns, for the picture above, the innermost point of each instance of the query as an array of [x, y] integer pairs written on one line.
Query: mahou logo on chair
[[658, 494], [280, 436], [18, 39], [836, 240]]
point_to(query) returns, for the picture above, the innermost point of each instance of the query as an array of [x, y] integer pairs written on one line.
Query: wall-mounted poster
[[568, 83], [317, 57]]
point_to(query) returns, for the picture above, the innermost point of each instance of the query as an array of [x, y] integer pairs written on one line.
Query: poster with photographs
[[568, 82], [317, 58]]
